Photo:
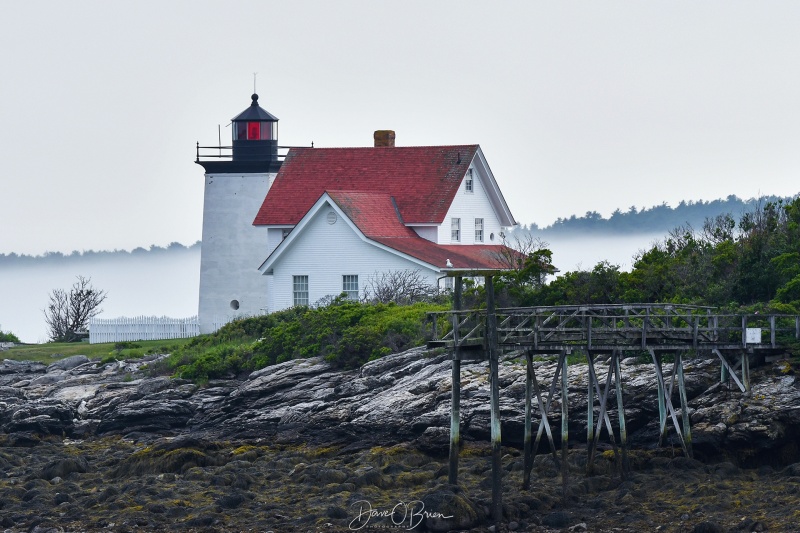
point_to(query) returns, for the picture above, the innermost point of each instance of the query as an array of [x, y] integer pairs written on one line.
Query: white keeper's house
[[284, 231]]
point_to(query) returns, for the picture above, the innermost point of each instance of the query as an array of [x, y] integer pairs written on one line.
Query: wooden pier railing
[[651, 329]]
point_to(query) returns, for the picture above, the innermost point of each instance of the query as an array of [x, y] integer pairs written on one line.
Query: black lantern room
[[255, 144], [255, 134]]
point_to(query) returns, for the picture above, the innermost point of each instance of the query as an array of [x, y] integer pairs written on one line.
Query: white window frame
[[455, 229], [350, 286], [469, 182], [478, 230], [300, 290]]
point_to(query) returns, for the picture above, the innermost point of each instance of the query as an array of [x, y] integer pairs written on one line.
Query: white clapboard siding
[[142, 328], [328, 250], [467, 206]]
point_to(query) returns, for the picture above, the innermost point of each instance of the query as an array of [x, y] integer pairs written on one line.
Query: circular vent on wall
[[332, 217], [235, 305]]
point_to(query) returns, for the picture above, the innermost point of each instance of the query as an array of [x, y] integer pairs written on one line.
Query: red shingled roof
[[374, 213], [378, 219], [469, 256], [423, 180]]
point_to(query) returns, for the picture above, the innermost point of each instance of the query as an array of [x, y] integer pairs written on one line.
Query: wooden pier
[[652, 329]]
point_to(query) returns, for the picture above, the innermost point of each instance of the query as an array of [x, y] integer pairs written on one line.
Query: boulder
[[68, 363]]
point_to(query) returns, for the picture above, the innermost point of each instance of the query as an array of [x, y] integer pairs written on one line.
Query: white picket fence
[[142, 328]]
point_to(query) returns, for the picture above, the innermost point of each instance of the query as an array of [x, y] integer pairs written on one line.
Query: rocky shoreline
[[303, 447]]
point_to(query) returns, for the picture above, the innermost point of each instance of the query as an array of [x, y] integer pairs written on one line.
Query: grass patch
[[52, 351], [345, 333]]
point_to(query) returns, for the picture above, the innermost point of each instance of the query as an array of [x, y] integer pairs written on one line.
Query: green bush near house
[[344, 332], [8, 337]]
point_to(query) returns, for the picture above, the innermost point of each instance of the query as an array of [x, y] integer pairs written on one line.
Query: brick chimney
[[384, 138]]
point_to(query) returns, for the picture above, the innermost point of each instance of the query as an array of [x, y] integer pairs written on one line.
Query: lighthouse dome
[[255, 112]]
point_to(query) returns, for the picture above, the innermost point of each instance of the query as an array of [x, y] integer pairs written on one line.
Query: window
[[240, 131], [455, 229], [300, 290], [350, 286], [478, 230], [468, 183], [253, 130]]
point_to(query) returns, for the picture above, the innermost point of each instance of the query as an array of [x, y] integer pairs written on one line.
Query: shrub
[[346, 333], [9, 337]]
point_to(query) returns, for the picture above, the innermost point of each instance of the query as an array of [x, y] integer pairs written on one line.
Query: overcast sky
[[578, 106]]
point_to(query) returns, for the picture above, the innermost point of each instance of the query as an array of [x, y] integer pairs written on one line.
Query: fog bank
[[164, 284], [572, 253]]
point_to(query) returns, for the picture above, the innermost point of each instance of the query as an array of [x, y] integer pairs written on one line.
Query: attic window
[[468, 181]]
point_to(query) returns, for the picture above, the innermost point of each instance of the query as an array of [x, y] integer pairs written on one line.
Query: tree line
[[655, 219], [13, 259], [752, 263]]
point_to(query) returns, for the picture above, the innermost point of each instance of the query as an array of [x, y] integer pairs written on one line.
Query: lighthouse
[[237, 179]]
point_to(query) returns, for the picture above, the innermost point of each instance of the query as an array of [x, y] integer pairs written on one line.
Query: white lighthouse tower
[[236, 183]]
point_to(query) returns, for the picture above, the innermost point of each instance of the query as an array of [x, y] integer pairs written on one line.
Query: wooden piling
[[494, 383], [623, 432], [662, 410], [528, 452], [590, 435], [564, 425], [746, 370], [772, 332], [455, 411], [724, 375], [687, 430], [744, 331]]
